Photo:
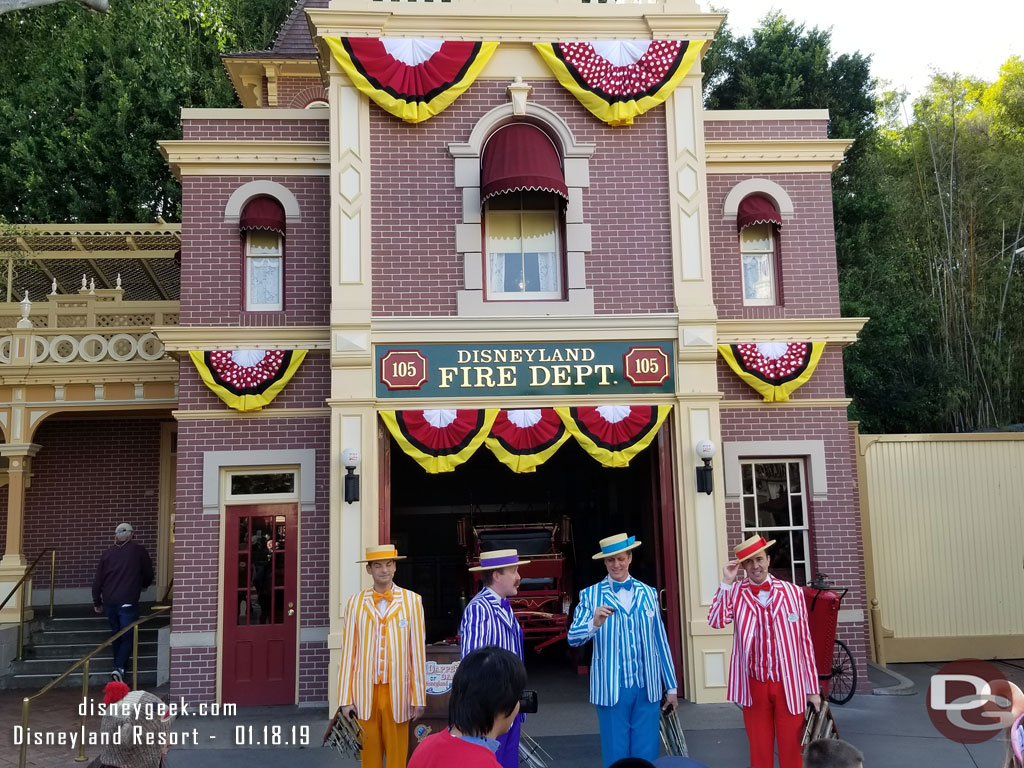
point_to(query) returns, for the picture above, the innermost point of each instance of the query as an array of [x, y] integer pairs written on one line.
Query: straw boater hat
[[499, 558], [751, 547], [613, 545], [383, 552]]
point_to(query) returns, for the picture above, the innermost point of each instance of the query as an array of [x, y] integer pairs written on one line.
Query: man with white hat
[[489, 620], [632, 669], [382, 680], [772, 675], [124, 570]]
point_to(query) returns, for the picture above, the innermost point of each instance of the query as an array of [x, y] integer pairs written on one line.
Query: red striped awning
[[521, 157], [756, 209], [263, 213]]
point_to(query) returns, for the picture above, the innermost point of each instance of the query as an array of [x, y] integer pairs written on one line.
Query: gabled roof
[[293, 41]]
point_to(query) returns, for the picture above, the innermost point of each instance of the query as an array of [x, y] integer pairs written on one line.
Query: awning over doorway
[[522, 439]]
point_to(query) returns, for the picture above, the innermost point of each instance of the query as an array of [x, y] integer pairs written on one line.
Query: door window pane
[[263, 483]]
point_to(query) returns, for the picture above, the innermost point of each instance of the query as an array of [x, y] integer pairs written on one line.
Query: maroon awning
[[262, 213], [756, 209], [520, 157]]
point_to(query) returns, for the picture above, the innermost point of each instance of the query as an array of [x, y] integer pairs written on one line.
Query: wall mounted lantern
[[705, 450], [350, 460]]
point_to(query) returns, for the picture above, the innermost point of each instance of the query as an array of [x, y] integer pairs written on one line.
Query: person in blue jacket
[[632, 671]]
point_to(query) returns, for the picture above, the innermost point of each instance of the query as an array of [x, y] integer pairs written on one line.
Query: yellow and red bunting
[[619, 80], [247, 379], [524, 438], [410, 78], [614, 434], [774, 369], [439, 440]]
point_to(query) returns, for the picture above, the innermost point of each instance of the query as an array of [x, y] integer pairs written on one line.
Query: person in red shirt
[[484, 703]]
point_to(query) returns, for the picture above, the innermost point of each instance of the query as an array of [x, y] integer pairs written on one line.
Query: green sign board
[[485, 370]]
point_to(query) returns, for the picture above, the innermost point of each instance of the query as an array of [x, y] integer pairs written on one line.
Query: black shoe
[[117, 675]]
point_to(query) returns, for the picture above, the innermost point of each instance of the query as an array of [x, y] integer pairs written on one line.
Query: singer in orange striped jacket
[[382, 680]]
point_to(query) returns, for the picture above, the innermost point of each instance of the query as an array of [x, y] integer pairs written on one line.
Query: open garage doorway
[[438, 520]]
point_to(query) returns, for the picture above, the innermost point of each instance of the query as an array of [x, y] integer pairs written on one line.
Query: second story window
[[524, 253], [523, 192], [759, 224], [263, 225]]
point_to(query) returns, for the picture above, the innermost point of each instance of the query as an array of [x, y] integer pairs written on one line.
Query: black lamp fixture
[[705, 450], [350, 460]]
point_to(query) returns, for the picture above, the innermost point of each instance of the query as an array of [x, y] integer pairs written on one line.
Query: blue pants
[[508, 752], [121, 616], [631, 728]]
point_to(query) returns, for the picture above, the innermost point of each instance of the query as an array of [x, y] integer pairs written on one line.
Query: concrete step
[[88, 623], [53, 667], [35, 681], [90, 637], [76, 651]]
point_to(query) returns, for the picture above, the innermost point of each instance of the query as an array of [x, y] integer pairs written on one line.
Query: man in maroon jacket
[[123, 572]]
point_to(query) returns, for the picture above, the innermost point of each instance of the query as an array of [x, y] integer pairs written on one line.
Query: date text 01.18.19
[[272, 736]]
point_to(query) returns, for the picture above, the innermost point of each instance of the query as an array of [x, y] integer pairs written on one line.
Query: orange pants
[[387, 743], [767, 719]]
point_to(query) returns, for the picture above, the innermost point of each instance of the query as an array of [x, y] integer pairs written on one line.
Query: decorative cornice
[[247, 75], [775, 156], [540, 22], [767, 115], [247, 158], [80, 372], [831, 402], [835, 330], [211, 338], [425, 330]]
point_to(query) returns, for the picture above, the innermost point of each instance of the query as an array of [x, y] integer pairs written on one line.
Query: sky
[[906, 38]]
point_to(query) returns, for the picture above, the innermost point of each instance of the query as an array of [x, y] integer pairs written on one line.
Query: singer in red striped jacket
[[772, 674]]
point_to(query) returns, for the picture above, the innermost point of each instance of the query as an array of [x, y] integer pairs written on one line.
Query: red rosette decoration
[[618, 80], [774, 369], [523, 439], [247, 380], [439, 440], [614, 434], [412, 79]]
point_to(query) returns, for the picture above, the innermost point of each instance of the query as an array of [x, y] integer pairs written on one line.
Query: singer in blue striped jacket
[[632, 669]]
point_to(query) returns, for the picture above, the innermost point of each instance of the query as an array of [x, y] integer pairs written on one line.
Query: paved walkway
[[892, 731]]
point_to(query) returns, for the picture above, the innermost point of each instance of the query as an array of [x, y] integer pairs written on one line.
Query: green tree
[[85, 97]]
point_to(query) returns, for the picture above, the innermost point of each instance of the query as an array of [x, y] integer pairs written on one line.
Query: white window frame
[[250, 306], [771, 300], [495, 295], [777, 532]]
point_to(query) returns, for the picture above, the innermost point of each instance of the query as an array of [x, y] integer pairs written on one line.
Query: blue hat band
[[618, 546]]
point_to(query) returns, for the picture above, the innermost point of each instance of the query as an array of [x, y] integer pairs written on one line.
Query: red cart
[[836, 669]]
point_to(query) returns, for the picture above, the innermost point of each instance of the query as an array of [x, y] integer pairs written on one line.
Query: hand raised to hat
[[731, 571]]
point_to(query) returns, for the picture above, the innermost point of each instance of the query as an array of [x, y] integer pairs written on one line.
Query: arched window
[[523, 193], [262, 223], [759, 223]]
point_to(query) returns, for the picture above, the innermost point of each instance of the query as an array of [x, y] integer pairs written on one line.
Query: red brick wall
[[255, 130], [89, 476], [294, 92], [416, 270], [212, 291], [198, 547], [759, 130], [809, 277], [309, 388], [835, 530], [827, 381]]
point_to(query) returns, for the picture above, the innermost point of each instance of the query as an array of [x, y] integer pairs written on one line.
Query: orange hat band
[[389, 554]]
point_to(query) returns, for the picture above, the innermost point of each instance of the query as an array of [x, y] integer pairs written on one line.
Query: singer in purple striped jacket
[[489, 620]]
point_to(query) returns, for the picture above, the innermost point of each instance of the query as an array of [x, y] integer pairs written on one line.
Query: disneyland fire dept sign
[[482, 370]]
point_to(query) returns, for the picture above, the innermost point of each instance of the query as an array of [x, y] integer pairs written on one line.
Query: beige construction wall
[[944, 538]]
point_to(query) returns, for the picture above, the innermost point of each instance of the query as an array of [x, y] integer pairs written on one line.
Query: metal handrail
[[157, 610], [23, 583]]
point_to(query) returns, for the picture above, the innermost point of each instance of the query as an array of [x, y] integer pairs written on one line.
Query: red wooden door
[[260, 616], [666, 549]]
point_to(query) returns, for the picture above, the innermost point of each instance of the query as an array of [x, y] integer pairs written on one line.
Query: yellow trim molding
[[265, 413], [254, 113], [247, 158], [212, 338], [833, 402], [775, 156], [836, 330], [426, 330], [775, 115]]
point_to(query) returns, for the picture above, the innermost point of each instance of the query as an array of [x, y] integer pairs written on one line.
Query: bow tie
[[764, 586], [385, 596], [618, 586]]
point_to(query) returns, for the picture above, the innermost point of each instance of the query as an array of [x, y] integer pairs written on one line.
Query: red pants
[[767, 718]]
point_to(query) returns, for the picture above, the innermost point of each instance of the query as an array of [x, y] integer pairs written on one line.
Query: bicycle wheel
[[843, 682]]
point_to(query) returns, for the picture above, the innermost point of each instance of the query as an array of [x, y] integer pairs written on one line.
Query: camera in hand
[[528, 702]]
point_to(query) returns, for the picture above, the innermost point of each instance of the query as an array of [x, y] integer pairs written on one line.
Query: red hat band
[[743, 554]]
